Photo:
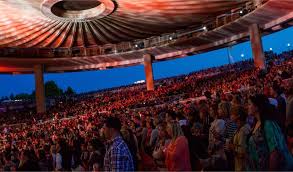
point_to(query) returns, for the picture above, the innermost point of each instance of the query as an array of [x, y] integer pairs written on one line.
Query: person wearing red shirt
[[177, 152]]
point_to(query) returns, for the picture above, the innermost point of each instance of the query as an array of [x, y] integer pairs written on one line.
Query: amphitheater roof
[[72, 35]]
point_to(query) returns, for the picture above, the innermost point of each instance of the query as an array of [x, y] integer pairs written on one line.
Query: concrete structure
[[39, 36], [148, 68], [256, 45], [40, 90], [114, 42]]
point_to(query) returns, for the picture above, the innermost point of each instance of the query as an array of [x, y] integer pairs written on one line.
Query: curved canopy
[[101, 34], [85, 23]]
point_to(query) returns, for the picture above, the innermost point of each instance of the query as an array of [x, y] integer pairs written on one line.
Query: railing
[[154, 41]]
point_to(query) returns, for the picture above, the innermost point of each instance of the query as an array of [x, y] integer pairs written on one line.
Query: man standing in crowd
[[118, 156]]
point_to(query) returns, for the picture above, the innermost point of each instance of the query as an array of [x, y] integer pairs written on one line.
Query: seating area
[[232, 117], [199, 121]]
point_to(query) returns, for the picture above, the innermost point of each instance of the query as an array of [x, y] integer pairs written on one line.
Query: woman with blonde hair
[[177, 152]]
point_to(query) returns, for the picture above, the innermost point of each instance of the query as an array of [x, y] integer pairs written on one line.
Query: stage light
[[171, 38], [136, 45], [241, 12], [205, 28], [271, 49], [242, 55], [288, 44]]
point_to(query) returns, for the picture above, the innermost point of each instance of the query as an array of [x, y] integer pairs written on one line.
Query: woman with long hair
[[217, 129], [177, 152], [239, 144], [161, 145], [267, 147]]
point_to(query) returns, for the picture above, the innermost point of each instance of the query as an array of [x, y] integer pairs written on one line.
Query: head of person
[[179, 116], [213, 110], [96, 167], [60, 146], [238, 115], [7, 157], [94, 144], [156, 121], [112, 127], [26, 155], [42, 154], [260, 107], [150, 124], [174, 130], [53, 149], [224, 110], [132, 125], [196, 129], [125, 134], [148, 118], [192, 114], [162, 130], [83, 147], [170, 116], [289, 91], [203, 113], [236, 100], [276, 90]]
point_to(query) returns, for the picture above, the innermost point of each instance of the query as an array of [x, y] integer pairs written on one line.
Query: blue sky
[[95, 80]]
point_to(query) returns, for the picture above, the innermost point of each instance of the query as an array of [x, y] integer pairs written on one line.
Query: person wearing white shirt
[[56, 158]]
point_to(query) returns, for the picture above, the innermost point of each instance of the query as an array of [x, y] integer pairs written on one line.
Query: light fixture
[[171, 38], [241, 12], [288, 44], [204, 28], [271, 49], [242, 55], [136, 45]]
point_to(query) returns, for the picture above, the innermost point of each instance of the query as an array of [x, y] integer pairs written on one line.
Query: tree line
[[51, 90]]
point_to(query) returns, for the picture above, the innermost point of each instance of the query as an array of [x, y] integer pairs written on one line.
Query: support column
[[256, 45], [40, 90], [148, 68]]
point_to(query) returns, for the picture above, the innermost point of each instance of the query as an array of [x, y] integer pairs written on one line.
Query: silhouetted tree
[[23, 96], [51, 89], [33, 95], [11, 96], [69, 91], [3, 98]]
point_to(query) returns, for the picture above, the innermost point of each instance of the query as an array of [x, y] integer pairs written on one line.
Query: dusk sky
[[95, 80]]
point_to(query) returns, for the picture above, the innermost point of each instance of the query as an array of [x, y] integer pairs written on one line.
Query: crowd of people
[[244, 122]]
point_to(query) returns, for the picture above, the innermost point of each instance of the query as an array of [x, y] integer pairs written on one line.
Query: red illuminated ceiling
[[93, 27], [85, 23]]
